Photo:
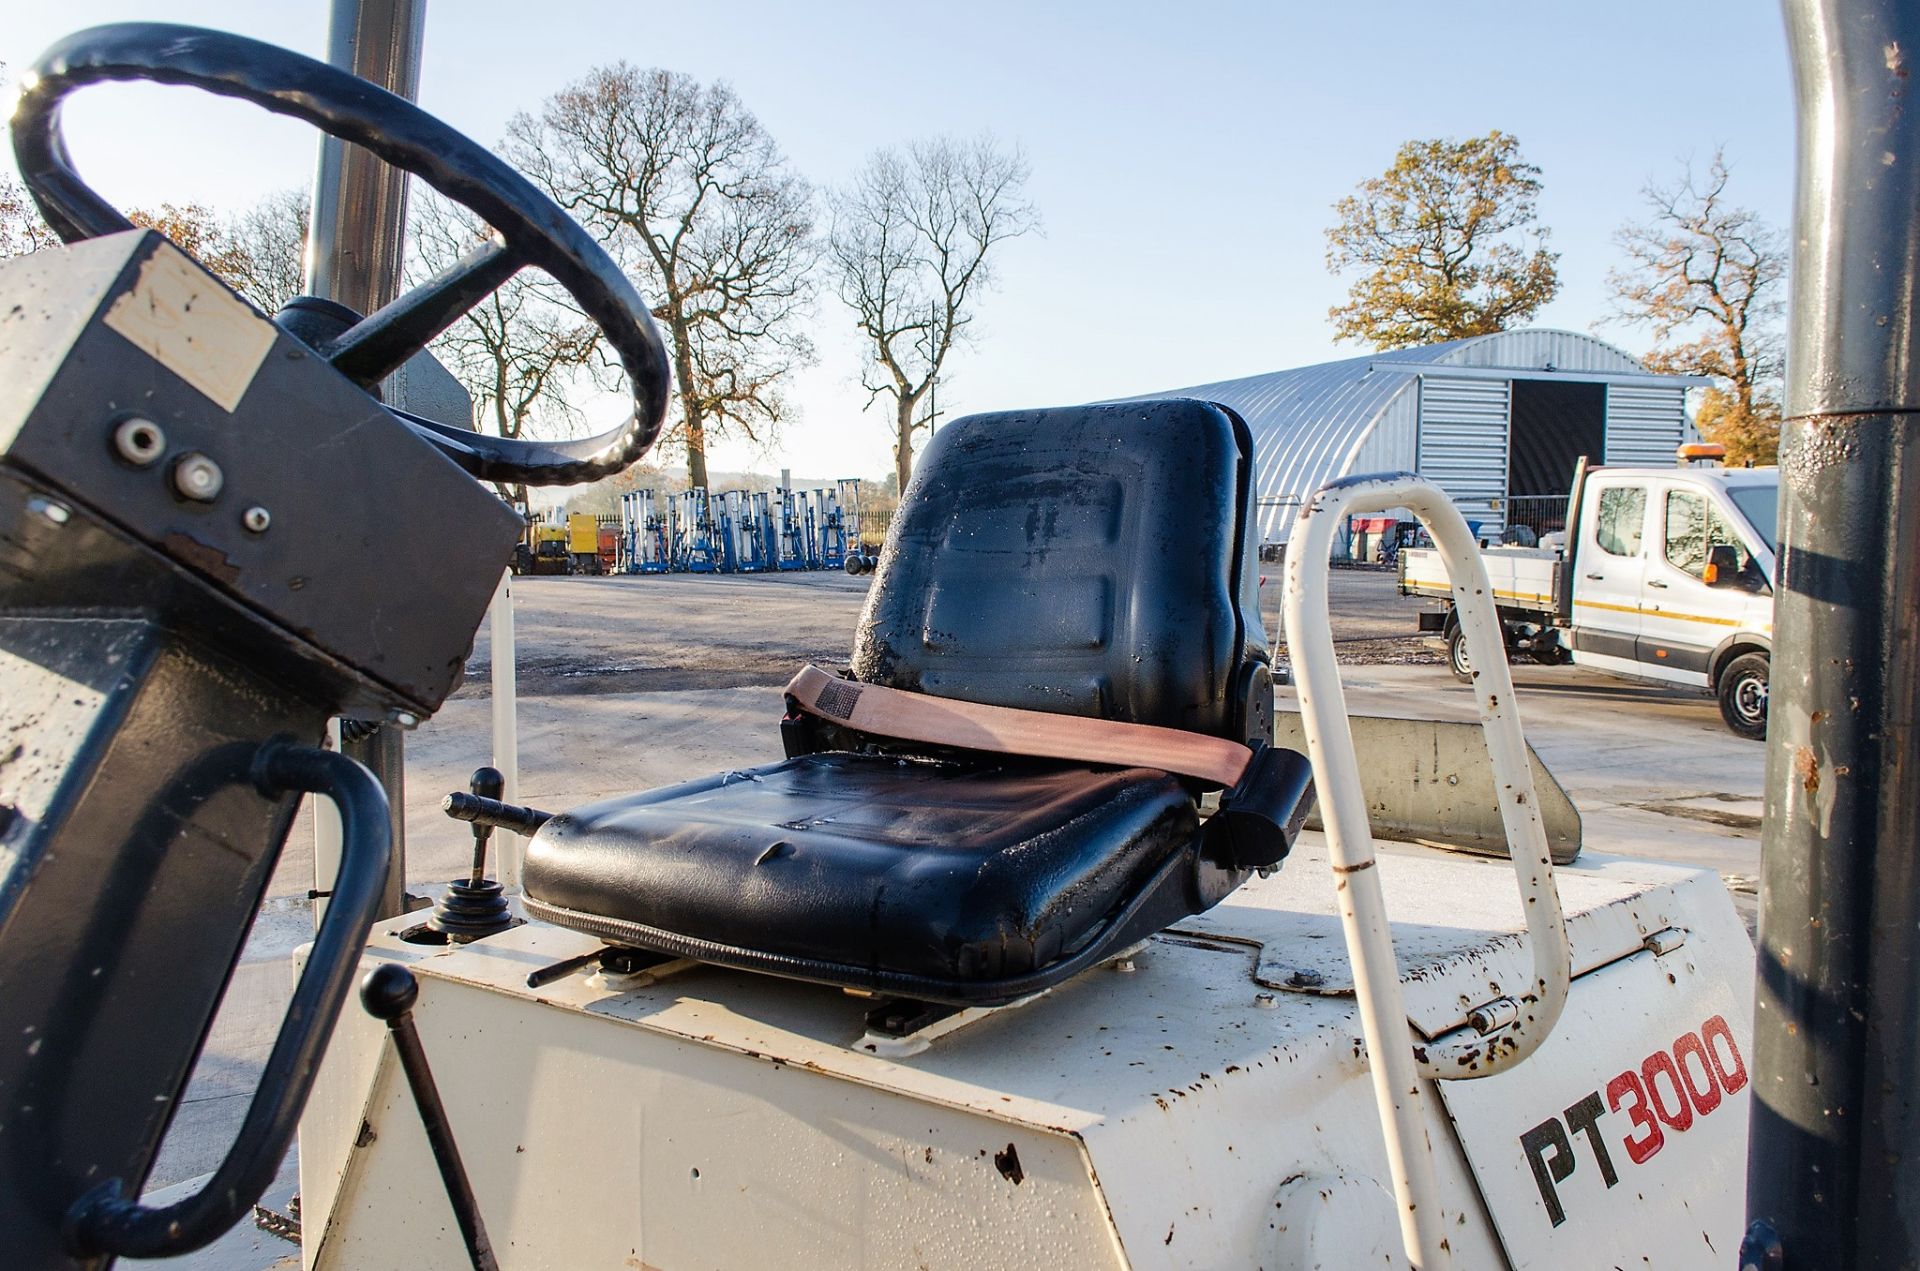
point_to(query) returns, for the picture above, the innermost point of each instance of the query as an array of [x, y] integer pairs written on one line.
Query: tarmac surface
[[629, 683]]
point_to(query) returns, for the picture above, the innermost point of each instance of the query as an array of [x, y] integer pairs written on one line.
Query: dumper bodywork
[[1201, 1103]]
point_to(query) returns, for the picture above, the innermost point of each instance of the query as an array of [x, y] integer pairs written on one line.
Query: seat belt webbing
[[942, 721]]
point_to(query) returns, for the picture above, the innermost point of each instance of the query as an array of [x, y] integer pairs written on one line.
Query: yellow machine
[[583, 543], [543, 549], [583, 534]]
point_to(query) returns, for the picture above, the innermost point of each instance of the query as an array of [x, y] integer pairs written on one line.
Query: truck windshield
[[1760, 504]]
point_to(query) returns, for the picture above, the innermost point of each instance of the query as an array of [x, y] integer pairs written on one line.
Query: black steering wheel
[[532, 228]]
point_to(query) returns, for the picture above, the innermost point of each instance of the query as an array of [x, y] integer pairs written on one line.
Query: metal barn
[[1496, 421]]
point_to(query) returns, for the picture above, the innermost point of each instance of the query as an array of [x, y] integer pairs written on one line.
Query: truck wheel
[[1457, 655], [1743, 695]]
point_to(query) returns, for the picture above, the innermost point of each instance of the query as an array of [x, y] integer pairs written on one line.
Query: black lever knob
[[485, 783], [389, 991]]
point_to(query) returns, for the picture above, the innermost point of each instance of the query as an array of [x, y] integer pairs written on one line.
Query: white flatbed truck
[[1665, 574]]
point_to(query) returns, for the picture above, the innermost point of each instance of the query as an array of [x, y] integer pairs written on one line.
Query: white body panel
[[1161, 1117]]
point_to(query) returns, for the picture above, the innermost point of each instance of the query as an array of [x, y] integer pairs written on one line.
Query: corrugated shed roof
[[1310, 422]]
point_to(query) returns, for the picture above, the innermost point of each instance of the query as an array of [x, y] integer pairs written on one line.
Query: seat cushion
[[841, 866]]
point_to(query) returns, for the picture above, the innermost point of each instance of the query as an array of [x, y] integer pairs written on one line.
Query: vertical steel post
[[1834, 1174], [354, 257], [360, 203]]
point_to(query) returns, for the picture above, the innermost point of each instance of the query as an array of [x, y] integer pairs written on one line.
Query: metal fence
[[1543, 514]]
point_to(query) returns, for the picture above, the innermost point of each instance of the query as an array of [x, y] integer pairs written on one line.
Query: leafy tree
[[685, 186], [910, 249], [194, 229], [260, 253], [1707, 277], [21, 229], [1447, 242]]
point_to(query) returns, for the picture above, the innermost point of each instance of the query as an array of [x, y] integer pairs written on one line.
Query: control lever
[[477, 907], [486, 783], [504, 816], [388, 993]]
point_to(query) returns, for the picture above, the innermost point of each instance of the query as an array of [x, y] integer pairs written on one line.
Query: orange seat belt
[[942, 721]]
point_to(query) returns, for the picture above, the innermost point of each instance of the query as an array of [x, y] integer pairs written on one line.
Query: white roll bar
[[1399, 1060]]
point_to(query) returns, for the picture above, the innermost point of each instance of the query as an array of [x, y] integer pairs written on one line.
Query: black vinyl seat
[[870, 864], [1095, 561]]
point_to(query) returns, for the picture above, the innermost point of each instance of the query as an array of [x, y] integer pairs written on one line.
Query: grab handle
[[106, 1223], [1397, 1058]]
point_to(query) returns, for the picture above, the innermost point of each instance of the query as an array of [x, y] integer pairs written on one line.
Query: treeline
[[735, 249]]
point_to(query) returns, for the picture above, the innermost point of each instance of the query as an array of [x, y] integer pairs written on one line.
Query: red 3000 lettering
[[1665, 1094]]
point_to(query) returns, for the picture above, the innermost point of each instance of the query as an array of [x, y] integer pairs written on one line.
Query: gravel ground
[[663, 633]]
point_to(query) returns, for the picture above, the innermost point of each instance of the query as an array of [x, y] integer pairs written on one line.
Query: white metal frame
[[509, 850], [1400, 1061]]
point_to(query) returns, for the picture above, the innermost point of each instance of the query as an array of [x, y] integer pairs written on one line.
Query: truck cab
[[1666, 575], [1672, 580]]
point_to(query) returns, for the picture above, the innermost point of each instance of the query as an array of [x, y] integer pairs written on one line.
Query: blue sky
[[1185, 157]]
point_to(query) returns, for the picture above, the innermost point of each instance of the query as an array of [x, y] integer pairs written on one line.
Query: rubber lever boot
[[476, 907]]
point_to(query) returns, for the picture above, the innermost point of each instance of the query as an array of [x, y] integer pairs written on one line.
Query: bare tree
[[1449, 244], [911, 248], [1706, 276], [268, 249], [517, 351], [685, 186]]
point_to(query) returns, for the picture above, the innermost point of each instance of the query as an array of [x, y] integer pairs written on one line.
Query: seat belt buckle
[[1260, 816], [798, 735]]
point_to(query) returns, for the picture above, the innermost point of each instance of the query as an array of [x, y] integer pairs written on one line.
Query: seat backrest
[[1089, 560]]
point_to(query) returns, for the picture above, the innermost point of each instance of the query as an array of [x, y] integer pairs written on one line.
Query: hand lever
[[476, 907], [388, 993], [505, 816], [486, 783]]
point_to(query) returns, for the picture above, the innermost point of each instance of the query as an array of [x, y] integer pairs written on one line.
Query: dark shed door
[[1553, 423]]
